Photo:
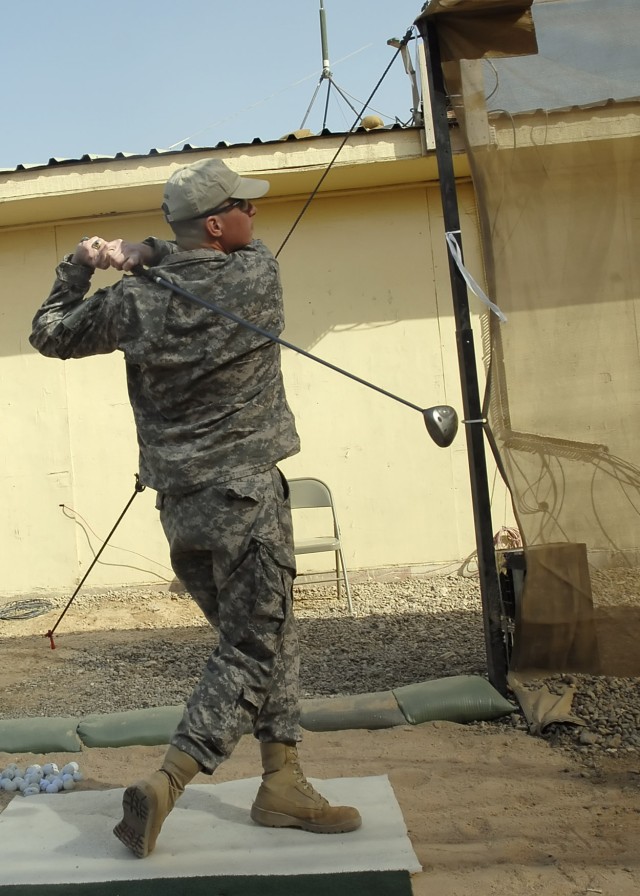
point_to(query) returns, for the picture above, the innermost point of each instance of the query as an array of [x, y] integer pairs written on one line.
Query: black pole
[[487, 569]]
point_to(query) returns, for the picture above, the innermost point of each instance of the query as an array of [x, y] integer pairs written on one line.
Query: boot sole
[[280, 820], [134, 831]]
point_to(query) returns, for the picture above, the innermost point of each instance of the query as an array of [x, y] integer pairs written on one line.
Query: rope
[[25, 609], [139, 488]]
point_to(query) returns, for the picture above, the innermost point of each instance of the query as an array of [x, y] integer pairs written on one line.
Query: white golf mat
[[67, 837]]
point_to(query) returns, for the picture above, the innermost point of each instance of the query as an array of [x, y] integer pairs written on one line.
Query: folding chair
[[313, 493]]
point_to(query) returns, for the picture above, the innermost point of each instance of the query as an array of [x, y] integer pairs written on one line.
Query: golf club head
[[442, 424]]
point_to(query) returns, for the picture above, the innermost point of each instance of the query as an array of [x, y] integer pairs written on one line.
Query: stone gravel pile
[[402, 632]]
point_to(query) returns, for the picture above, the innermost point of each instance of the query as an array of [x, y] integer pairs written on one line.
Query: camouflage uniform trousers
[[231, 545]]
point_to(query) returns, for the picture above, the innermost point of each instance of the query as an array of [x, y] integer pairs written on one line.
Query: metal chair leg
[[346, 582]]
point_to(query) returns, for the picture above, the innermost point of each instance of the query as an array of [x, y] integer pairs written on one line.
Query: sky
[[106, 78]]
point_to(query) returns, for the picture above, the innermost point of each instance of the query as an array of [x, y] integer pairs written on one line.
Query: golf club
[[441, 421]]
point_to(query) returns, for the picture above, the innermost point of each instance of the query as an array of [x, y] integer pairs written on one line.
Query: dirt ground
[[488, 810]]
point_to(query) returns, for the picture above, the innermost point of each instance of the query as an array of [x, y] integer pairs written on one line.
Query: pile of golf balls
[[40, 778]]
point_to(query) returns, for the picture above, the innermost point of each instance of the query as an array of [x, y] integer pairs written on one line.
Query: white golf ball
[[68, 783], [34, 769], [78, 776], [70, 768], [9, 773], [52, 788], [9, 784], [44, 784], [50, 769], [31, 790]]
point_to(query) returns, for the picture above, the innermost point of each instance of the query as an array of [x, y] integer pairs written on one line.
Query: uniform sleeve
[[160, 248], [69, 326]]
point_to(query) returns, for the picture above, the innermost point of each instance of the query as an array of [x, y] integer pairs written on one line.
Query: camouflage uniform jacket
[[207, 394]]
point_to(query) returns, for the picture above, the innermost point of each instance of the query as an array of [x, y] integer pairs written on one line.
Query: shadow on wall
[[354, 263]]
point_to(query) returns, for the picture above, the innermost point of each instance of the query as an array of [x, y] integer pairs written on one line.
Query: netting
[[553, 138]]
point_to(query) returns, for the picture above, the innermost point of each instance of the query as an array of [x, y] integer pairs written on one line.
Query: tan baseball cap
[[194, 190]]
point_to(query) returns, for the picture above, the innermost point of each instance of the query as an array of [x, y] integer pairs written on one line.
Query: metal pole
[[487, 569], [139, 488], [326, 65]]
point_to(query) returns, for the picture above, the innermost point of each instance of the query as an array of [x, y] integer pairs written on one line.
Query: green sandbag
[[57, 734], [139, 727], [460, 698], [371, 711]]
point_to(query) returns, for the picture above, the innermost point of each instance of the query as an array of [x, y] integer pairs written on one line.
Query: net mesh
[[554, 145]]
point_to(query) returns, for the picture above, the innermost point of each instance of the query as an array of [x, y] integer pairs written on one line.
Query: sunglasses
[[243, 204]]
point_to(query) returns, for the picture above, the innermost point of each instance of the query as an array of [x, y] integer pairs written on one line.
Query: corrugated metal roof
[[563, 110], [294, 136], [87, 158]]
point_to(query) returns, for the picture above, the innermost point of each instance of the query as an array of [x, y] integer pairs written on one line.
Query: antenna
[[326, 65], [326, 75]]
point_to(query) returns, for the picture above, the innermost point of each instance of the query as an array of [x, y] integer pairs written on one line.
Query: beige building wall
[[366, 284]]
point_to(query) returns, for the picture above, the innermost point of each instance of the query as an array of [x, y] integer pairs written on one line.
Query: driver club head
[[442, 424]]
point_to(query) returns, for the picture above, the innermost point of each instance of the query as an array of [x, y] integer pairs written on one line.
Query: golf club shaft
[[245, 323]]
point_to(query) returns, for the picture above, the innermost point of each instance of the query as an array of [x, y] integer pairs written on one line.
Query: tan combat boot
[[145, 805], [287, 800]]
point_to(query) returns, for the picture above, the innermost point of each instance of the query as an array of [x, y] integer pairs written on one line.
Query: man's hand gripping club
[[94, 252]]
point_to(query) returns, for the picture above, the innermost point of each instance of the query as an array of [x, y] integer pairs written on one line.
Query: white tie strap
[[456, 254]]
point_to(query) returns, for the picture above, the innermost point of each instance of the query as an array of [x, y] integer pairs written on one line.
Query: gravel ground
[[402, 632]]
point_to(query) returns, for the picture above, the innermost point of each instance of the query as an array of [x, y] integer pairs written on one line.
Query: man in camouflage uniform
[[212, 422]]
